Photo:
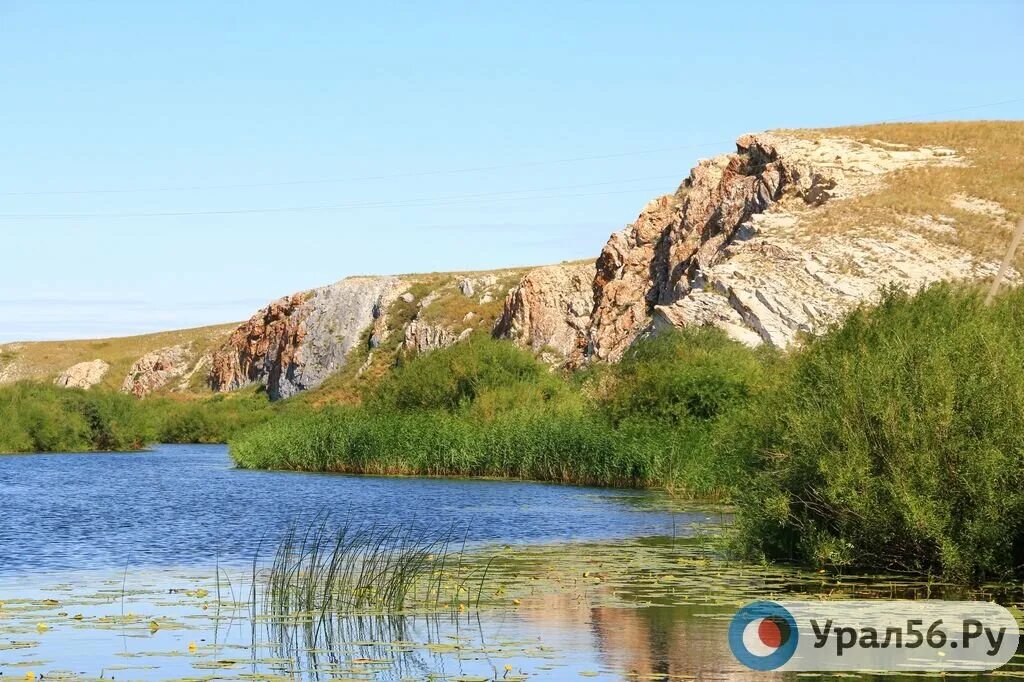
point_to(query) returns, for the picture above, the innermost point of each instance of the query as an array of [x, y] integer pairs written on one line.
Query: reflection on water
[[653, 609]]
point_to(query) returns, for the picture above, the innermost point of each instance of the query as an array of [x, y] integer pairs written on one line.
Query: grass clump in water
[[321, 572]]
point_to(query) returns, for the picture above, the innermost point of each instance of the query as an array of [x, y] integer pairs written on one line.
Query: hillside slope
[[780, 238], [177, 357]]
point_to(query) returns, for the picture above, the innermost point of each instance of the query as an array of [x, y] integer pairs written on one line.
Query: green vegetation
[[37, 417], [320, 571], [487, 408], [896, 441]]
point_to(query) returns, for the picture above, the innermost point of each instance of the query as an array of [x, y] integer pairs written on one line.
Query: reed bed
[[321, 572]]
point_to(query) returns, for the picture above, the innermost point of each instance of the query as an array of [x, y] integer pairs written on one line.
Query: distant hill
[[778, 239]]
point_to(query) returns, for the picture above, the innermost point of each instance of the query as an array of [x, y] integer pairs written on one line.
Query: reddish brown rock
[[261, 348]]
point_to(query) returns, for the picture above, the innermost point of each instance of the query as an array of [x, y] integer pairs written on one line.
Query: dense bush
[[453, 377], [487, 408], [684, 377], [897, 441], [36, 417], [39, 417], [212, 420]]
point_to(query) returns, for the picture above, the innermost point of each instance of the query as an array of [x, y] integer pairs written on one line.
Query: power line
[[446, 201], [366, 178], [423, 202]]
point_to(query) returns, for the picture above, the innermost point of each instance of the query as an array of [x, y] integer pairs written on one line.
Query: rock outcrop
[[422, 337], [758, 243], [624, 286], [298, 341], [83, 374], [549, 310], [736, 246], [156, 369]]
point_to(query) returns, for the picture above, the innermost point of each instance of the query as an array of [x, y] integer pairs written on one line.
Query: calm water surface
[[134, 567], [181, 505]]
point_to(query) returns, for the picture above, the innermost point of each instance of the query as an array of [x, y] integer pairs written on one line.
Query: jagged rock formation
[[156, 369], [759, 243], [549, 310], [83, 374], [735, 247], [624, 287], [421, 337], [298, 341]]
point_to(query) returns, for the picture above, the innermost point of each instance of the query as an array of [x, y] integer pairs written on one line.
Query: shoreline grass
[[485, 409]]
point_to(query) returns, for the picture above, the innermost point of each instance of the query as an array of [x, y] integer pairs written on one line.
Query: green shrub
[[487, 408], [41, 417], [897, 441], [680, 376], [36, 417], [452, 377]]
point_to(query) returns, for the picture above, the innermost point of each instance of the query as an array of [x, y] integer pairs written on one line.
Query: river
[[155, 565]]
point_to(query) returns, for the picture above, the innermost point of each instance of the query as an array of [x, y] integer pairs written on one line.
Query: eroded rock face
[[156, 369], [549, 310], [83, 374], [422, 337], [735, 246], [298, 341], [624, 285]]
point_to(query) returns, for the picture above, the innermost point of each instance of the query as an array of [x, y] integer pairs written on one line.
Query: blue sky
[[444, 135]]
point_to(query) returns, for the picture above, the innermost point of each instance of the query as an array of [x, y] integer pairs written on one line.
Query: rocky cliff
[[741, 245], [298, 341], [777, 239], [750, 243], [549, 310]]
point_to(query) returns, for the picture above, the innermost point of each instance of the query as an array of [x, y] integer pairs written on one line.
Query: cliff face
[[549, 310], [739, 246], [298, 341], [747, 244], [780, 238]]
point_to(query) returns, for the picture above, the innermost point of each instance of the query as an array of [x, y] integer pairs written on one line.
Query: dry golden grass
[[994, 172], [44, 360]]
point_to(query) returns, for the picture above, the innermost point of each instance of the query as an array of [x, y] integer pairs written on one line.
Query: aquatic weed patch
[[631, 609]]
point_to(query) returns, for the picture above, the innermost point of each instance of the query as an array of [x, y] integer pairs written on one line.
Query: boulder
[[83, 374]]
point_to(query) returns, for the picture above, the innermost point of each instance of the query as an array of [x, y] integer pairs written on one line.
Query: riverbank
[[891, 442]]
